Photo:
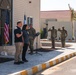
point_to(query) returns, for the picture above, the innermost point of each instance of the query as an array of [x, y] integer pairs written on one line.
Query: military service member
[[53, 36], [32, 33], [63, 36]]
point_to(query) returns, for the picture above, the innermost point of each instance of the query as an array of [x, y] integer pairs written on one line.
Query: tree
[[73, 18]]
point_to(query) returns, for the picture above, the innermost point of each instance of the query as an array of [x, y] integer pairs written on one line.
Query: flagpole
[[6, 31], [5, 52]]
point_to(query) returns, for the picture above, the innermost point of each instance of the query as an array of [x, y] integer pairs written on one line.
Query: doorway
[[5, 22]]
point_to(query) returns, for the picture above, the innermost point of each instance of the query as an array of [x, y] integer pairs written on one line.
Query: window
[[5, 5], [29, 20]]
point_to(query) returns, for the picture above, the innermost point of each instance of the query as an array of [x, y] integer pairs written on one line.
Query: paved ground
[[9, 67], [66, 68]]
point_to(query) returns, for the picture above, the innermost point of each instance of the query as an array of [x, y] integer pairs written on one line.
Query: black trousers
[[25, 47]]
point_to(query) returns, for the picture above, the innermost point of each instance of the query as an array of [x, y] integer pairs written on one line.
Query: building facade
[[17, 10], [58, 18]]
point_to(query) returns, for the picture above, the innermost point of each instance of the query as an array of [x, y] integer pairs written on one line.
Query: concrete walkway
[[9, 68]]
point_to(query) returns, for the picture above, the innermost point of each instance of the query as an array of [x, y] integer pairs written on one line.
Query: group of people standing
[[54, 35], [23, 38]]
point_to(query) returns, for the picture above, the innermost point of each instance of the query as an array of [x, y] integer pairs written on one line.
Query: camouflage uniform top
[[53, 33], [32, 33], [63, 33]]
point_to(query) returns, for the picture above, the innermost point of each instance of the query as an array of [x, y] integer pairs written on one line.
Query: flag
[[6, 27], [24, 19]]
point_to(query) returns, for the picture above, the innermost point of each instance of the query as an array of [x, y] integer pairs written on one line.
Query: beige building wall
[[23, 7], [18, 10], [42, 23]]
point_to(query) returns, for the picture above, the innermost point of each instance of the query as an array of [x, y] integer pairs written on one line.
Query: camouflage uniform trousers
[[31, 45], [63, 42], [53, 42]]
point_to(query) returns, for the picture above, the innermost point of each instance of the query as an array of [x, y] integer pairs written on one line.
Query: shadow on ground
[[4, 59]]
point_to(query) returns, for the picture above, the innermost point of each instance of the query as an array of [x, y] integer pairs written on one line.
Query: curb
[[44, 66]]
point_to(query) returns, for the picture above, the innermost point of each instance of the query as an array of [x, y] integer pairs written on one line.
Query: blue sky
[[57, 4]]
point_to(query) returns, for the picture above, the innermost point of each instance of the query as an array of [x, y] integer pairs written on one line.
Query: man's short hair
[[30, 24], [52, 26], [62, 27], [18, 22]]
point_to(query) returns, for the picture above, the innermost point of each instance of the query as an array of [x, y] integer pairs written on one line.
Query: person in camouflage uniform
[[53, 36], [63, 36], [32, 33]]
